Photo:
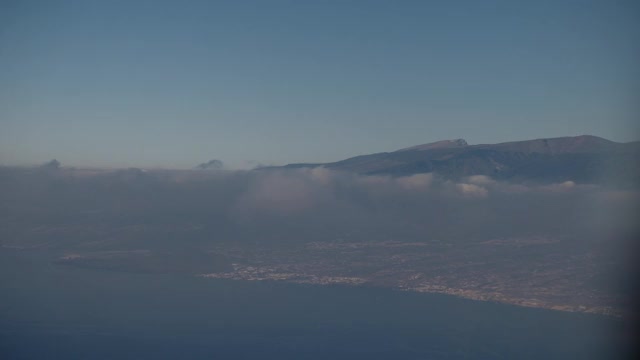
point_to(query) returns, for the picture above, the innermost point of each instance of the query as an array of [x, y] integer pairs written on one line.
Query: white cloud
[[472, 190], [416, 182], [481, 180]]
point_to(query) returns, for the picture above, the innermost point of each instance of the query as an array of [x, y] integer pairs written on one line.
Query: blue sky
[[176, 83]]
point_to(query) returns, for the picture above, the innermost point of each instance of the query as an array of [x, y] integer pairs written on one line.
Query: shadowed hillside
[[583, 159]]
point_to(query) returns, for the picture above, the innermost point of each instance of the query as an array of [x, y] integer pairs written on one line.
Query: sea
[[51, 311]]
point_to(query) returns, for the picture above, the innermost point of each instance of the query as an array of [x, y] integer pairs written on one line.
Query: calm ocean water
[[55, 312]]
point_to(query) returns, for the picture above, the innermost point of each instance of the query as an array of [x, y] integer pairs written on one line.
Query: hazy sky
[[176, 83]]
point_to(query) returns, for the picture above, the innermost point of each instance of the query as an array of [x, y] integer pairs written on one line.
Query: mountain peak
[[443, 144], [211, 165]]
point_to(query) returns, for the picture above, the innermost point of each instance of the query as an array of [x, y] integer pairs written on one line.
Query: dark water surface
[[49, 311]]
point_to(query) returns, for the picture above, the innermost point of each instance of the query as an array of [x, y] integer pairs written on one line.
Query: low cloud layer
[[316, 204]]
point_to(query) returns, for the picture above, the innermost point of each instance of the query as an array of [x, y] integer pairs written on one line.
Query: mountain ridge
[[584, 158], [438, 145]]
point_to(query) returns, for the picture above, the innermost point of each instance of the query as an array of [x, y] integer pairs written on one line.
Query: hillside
[[584, 159]]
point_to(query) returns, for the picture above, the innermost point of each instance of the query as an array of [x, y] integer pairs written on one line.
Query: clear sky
[[176, 83]]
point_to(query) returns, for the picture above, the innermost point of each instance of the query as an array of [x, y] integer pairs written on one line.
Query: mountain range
[[582, 159]]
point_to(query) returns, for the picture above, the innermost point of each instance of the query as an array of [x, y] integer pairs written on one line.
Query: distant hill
[[211, 165], [443, 144], [583, 159]]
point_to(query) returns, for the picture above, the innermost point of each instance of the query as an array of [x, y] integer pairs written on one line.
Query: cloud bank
[[316, 204]]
